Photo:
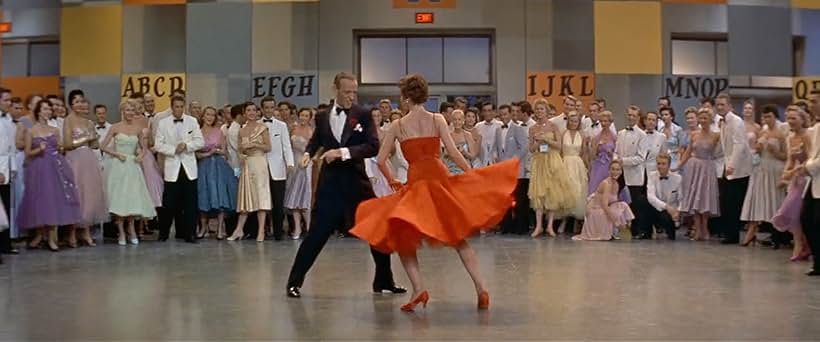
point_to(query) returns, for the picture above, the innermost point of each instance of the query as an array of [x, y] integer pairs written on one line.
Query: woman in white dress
[[765, 193], [573, 156]]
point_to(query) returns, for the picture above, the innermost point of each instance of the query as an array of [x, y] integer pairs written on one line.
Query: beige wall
[[338, 19]]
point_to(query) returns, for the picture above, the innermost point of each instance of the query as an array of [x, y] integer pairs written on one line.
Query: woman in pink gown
[[605, 211]]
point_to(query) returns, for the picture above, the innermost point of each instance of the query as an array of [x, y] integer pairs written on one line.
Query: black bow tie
[[15, 120], [630, 129], [505, 126], [664, 177], [566, 118], [267, 120], [523, 124], [653, 132], [596, 124], [3, 115], [177, 120], [100, 127], [340, 111]]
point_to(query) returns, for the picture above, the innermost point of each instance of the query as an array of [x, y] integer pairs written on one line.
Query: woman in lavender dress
[[79, 136], [216, 184], [50, 198], [788, 216], [298, 189], [701, 197], [605, 212], [602, 147]]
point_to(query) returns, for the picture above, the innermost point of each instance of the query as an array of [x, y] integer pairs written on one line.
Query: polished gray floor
[[552, 289]]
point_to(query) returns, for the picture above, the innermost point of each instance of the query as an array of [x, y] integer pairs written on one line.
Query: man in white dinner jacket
[[178, 137], [810, 214], [737, 157], [280, 161], [631, 149]]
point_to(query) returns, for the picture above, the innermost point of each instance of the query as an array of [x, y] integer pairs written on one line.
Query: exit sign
[[5, 27], [424, 18]]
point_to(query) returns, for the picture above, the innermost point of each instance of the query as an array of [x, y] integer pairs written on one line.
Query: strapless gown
[[434, 206]]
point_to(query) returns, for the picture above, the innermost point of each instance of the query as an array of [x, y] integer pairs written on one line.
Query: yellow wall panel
[[717, 2], [628, 37], [153, 2], [806, 4], [91, 40]]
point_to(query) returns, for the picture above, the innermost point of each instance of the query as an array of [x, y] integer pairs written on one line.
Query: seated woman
[[605, 211]]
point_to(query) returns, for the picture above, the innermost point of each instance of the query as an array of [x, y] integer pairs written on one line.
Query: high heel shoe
[[54, 247], [800, 257], [235, 237], [537, 232], [483, 300], [421, 298], [551, 233], [752, 241]]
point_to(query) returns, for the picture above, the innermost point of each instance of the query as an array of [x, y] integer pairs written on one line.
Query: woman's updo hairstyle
[[414, 88], [38, 108]]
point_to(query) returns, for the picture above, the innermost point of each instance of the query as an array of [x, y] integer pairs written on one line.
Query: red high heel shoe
[[484, 300], [422, 298]]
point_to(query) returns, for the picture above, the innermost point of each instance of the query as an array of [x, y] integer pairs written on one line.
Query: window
[[700, 57], [455, 59], [31, 59]]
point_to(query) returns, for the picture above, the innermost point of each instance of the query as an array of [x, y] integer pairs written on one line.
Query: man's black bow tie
[[100, 127], [340, 111], [267, 120], [630, 129], [523, 124], [505, 126], [177, 120], [595, 124], [664, 177], [653, 132]]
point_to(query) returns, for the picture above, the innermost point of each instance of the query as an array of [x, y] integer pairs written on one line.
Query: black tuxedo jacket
[[344, 184]]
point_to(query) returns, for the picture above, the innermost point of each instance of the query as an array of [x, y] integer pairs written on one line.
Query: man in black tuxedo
[[347, 135]]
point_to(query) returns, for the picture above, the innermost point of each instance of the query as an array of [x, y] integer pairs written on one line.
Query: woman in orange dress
[[433, 206]]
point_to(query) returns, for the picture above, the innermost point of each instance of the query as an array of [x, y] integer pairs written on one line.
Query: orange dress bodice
[[435, 206]]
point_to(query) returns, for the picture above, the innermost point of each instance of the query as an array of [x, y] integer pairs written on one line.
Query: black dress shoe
[[642, 237], [729, 242], [293, 292], [813, 272], [162, 239], [192, 240], [11, 251], [393, 289]]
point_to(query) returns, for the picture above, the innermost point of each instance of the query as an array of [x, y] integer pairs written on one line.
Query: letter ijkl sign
[[555, 85], [688, 90], [301, 89], [158, 85]]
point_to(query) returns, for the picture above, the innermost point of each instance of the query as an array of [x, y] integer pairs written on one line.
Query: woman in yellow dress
[[254, 180], [550, 190]]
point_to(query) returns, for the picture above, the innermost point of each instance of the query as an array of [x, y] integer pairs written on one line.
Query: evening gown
[[124, 181], [50, 196], [764, 196], [451, 165], [787, 217], [153, 177], [701, 196], [550, 188], [254, 179], [89, 180], [599, 169], [216, 184], [577, 171], [298, 187], [434, 206], [19, 184], [597, 226]]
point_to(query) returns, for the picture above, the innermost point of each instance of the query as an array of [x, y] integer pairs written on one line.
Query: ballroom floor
[[553, 289]]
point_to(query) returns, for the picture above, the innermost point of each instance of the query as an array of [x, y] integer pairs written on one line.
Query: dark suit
[[342, 185]]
